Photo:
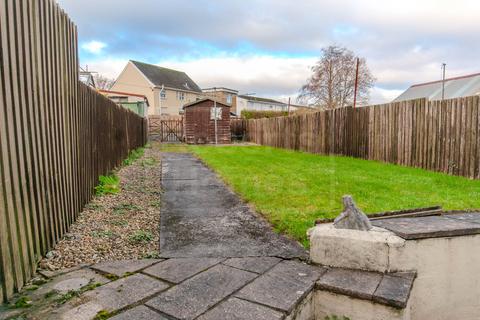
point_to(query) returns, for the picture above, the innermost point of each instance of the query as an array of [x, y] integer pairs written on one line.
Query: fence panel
[[56, 135], [435, 135]]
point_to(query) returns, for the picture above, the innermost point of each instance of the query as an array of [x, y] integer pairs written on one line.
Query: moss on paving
[[292, 189]]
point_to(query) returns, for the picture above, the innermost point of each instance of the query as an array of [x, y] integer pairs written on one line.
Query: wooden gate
[[166, 130]]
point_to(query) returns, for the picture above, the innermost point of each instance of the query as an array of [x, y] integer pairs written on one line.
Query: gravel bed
[[115, 227]]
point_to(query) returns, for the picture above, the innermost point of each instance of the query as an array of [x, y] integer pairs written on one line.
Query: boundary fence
[[434, 135], [56, 135]]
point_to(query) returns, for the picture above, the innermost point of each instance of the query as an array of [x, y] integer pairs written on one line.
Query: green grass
[[134, 156], [174, 147], [141, 236], [108, 185], [292, 189]]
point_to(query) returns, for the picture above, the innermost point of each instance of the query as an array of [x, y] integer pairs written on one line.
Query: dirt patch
[[120, 226]]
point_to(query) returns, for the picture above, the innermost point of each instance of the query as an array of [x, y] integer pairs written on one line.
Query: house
[[458, 87], [136, 102], [166, 90], [87, 78], [251, 103], [224, 95]]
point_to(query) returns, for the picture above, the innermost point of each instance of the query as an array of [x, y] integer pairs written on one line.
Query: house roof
[[457, 87], [203, 100], [258, 99], [160, 76]]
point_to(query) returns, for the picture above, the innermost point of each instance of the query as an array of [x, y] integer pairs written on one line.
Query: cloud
[[94, 47], [265, 46]]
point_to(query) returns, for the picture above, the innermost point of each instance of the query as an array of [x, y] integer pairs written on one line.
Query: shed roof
[[457, 87], [160, 76], [203, 100]]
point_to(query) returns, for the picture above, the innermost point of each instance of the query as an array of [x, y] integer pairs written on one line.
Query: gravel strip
[[116, 227]]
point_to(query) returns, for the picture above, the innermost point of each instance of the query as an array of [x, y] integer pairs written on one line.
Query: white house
[[259, 104]]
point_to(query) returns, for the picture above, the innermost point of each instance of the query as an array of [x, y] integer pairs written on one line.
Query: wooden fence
[[165, 129], [440, 136], [56, 135]]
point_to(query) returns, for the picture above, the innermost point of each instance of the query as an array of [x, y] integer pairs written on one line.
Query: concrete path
[[201, 217]]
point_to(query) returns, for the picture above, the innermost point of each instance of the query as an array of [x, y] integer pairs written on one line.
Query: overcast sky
[[267, 46]]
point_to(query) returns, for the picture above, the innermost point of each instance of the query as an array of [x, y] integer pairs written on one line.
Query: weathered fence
[[56, 135], [440, 136], [165, 128]]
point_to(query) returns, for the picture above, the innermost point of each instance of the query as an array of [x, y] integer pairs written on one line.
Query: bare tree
[[332, 83], [102, 82]]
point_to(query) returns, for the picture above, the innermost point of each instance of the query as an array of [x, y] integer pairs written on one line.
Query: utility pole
[[289, 105], [356, 85], [215, 112], [444, 67]]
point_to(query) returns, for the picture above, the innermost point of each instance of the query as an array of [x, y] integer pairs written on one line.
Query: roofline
[[123, 93], [143, 74], [449, 79], [220, 88], [175, 89], [157, 86], [252, 98], [203, 100]]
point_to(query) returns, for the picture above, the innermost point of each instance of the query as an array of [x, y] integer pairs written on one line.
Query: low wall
[[447, 284]]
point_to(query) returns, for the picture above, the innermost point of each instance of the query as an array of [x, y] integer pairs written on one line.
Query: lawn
[[292, 189]]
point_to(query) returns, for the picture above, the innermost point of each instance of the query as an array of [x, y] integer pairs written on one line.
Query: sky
[[267, 47]]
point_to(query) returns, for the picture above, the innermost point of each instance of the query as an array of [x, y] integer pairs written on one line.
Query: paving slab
[[237, 309], [177, 270], [428, 227], [124, 292], [202, 217], [196, 295], [354, 283], [139, 313], [470, 217], [283, 286], [394, 291], [85, 311], [122, 267], [253, 264], [69, 281]]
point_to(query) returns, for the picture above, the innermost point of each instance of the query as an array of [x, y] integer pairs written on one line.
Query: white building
[[259, 104], [452, 88]]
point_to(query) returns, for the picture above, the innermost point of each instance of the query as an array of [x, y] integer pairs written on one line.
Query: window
[[163, 94], [180, 95], [229, 98]]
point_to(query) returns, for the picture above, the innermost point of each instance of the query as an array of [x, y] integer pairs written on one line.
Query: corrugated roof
[[167, 77], [258, 99], [454, 88]]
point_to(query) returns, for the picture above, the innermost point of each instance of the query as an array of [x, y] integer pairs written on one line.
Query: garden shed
[[200, 124]]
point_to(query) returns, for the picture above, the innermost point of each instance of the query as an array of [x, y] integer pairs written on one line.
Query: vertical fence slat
[[434, 135], [56, 135]]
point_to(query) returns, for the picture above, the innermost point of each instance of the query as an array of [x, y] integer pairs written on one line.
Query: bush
[[108, 185], [251, 114], [133, 156], [141, 236]]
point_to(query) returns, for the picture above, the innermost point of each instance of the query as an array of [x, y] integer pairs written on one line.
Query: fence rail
[[56, 135], [440, 136]]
